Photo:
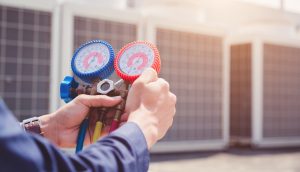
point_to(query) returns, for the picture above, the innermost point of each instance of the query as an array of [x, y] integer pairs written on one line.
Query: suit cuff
[[136, 138]]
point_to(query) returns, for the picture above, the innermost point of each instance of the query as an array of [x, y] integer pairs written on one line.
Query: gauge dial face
[[135, 59], [92, 58]]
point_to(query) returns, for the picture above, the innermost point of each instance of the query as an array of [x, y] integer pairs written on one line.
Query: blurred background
[[233, 64]]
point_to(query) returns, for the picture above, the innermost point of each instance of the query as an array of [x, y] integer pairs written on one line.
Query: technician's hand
[[62, 126], [151, 105]]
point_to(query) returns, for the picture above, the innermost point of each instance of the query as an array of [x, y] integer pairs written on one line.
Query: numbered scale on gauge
[[134, 58], [93, 60]]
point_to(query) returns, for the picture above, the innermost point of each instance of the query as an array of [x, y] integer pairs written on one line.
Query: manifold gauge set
[[92, 65]]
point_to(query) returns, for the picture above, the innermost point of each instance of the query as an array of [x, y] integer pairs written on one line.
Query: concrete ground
[[233, 160]]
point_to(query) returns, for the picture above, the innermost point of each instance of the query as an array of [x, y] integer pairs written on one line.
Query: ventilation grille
[[192, 63], [281, 97], [25, 60]]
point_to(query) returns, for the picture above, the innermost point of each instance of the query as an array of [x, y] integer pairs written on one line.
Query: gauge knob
[[67, 89], [93, 60], [134, 58]]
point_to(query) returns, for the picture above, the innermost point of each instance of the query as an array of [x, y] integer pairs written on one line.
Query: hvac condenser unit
[[265, 94], [28, 56], [195, 62]]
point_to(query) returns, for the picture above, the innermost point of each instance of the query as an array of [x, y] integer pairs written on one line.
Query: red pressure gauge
[[134, 58]]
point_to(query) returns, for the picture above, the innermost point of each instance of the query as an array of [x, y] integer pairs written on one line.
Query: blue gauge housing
[[65, 89], [101, 73]]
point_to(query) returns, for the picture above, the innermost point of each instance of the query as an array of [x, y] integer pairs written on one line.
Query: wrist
[[148, 125], [47, 126]]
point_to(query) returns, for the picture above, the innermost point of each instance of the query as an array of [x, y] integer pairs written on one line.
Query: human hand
[[151, 105], [62, 126]]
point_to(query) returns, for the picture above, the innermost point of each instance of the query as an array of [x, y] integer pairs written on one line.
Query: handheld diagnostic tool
[[92, 63], [134, 58], [129, 64], [93, 60]]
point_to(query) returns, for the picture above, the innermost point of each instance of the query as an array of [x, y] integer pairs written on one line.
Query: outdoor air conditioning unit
[[265, 94], [28, 56], [195, 63]]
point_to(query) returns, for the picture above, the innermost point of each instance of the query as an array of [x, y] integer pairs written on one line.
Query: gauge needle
[[91, 61]]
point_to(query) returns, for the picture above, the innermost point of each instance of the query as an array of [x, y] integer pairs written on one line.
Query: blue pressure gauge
[[93, 60]]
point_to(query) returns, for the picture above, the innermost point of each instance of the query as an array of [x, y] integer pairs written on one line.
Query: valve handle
[[66, 86]]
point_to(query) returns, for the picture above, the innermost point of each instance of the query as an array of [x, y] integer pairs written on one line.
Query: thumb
[[97, 100], [149, 75]]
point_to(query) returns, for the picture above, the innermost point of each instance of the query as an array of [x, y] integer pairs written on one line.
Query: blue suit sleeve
[[124, 150]]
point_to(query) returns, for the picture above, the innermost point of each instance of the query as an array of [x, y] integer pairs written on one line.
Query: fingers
[[97, 100], [159, 87], [173, 97], [149, 75], [124, 117], [164, 84]]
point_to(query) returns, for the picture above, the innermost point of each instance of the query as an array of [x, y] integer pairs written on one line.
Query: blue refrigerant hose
[[81, 134]]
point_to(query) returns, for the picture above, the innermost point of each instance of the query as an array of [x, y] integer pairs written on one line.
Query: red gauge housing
[[142, 53]]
